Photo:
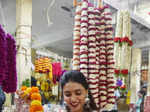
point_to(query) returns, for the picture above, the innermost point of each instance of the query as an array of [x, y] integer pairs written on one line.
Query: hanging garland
[[8, 72]]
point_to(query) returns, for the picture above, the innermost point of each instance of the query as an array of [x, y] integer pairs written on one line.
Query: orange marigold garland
[[34, 96]]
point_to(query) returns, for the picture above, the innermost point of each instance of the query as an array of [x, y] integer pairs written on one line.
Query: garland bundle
[[8, 71], [93, 52], [122, 46], [32, 95], [3, 54]]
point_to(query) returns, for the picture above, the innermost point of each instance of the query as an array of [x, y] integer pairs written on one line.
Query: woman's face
[[74, 95]]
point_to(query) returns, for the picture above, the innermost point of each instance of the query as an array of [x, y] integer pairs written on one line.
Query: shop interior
[[52, 44]]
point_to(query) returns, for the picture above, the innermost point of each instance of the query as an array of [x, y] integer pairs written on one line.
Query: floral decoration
[[123, 40], [123, 72], [32, 97]]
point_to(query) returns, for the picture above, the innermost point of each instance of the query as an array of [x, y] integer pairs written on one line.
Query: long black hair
[[78, 77]]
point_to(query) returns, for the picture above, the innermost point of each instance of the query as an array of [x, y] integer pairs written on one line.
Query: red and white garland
[[95, 47], [76, 40]]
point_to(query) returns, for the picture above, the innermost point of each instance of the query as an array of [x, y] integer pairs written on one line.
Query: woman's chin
[[75, 108]]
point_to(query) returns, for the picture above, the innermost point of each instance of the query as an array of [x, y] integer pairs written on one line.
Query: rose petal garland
[[110, 60], [84, 39], [10, 82], [102, 62], [96, 53], [76, 40], [92, 70], [97, 21]]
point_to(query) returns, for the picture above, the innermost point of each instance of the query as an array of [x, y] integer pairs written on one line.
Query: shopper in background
[[144, 92], [139, 102], [75, 92], [2, 98]]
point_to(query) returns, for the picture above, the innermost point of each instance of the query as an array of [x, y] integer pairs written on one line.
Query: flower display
[[8, 71], [119, 83], [123, 40], [124, 71], [32, 97], [130, 43], [36, 96], [117, 72], [93, 51], [117, 39]]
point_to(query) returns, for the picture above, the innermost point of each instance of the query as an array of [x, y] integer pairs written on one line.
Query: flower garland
[[33, 96], [3, 54], [123, 40], [93, 52], [10, 83], [122, 46], [123, 72]]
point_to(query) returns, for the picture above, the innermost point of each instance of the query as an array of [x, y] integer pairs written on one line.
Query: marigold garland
[[34, 96]]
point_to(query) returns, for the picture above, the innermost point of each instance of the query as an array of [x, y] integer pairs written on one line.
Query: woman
[[75, 92]]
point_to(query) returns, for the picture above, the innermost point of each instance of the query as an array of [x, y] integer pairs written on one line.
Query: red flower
[[124, 71], [117, 71], [123, 87], [130, 43], [117, 39], [125, 39]]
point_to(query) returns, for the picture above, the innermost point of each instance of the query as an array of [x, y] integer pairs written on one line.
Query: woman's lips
[[74, 104]]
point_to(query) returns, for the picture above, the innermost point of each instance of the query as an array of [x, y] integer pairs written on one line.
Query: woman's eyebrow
[[77, 90], [66, 91]]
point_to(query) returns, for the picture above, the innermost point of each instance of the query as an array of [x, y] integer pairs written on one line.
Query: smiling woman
[[75, 92]]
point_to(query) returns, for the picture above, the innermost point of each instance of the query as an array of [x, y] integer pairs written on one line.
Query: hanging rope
[[47, 12]]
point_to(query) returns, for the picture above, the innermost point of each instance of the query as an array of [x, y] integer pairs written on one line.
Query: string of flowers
[[8, 71], [120, 73], [32, 95], [123, 40]]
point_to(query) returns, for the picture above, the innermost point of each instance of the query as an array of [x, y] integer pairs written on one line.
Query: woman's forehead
[[73, 86]]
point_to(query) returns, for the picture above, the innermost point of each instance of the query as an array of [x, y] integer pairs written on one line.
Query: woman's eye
[[78, 93], [68, 94]]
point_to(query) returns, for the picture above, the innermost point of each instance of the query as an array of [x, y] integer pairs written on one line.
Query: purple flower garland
[[8, 70], [2, 55]]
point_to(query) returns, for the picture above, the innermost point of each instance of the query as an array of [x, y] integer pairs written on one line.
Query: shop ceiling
[[53, 22]]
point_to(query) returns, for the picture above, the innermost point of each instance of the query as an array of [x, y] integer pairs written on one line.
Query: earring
[[66, 107], [87, 102]]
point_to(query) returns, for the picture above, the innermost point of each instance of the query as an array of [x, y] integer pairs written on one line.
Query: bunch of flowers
[[33, 97], [123, 40], [123, 88], [123, 72]]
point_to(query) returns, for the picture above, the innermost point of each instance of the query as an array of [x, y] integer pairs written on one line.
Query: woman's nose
[[73, 99]]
